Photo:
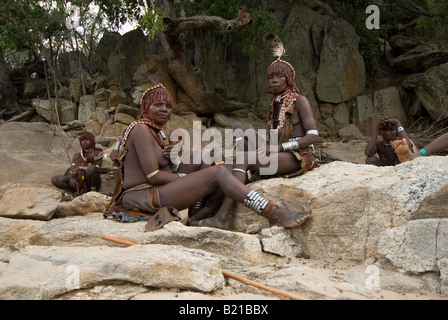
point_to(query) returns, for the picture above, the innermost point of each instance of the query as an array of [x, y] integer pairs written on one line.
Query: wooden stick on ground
[[226, 274]]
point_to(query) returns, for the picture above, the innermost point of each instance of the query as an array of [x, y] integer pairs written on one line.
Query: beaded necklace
[[286, 101], [154, 128], [82, 155]]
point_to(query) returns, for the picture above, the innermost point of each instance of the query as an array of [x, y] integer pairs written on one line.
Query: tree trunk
[[192, 80], [7, 97]]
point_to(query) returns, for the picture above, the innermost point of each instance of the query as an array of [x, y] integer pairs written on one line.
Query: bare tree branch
[[182, 24], [191, 79]]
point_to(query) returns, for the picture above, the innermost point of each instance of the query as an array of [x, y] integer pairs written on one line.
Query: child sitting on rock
[[381, 153], [84, 174]]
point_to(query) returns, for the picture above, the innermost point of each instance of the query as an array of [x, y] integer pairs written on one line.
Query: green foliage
[[253, 35], [39, 27], [227, 9], [428, 15], [30, 26], [118, 12], [368, 42], [438, 18], [250, 36], [368, 39], [153, 21]]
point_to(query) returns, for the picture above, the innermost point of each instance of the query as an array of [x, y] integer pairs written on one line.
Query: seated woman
[[291, 118], [149, 182], [84, 174]]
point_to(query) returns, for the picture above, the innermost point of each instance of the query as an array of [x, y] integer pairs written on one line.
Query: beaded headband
[[287, 63], [150, 89]]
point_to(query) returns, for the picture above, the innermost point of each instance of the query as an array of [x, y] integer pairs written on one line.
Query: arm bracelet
[[399, 129], [313, 132], [290, 145], [116, 145], [424, 153], [152, 174]]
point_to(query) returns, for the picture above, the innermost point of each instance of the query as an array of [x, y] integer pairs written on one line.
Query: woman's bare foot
[[67, 197], [212, 222], [288, 219], [285, 218], [402, 150]]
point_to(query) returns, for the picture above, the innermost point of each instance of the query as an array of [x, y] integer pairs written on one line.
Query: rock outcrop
[[389, 218]]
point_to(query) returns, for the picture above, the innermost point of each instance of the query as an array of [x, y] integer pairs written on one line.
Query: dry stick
[[225, 273]]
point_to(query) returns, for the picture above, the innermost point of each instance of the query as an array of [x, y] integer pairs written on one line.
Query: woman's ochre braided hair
[[279, 65], [285, 68], [157, 93], [87, 135]]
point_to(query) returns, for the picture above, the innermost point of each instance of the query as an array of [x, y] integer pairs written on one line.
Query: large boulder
[[131, 59], [33, 153], [342, 74], [401, 44], [353, 205], [367, 109], [422, 57], [431, 91], [103, 50], [86, 108], [417, 246], [47, 110], [57, 271], [89, 231], [29, 203]]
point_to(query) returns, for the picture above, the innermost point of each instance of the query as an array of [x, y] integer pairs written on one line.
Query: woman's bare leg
[[288, 164], [62, 182], [219, 220], [373, 160], [183, 192], [439, 144]]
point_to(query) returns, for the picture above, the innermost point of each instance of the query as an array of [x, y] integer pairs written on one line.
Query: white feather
[[278, 50]]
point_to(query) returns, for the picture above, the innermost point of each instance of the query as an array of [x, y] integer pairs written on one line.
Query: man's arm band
[[424, 153]]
